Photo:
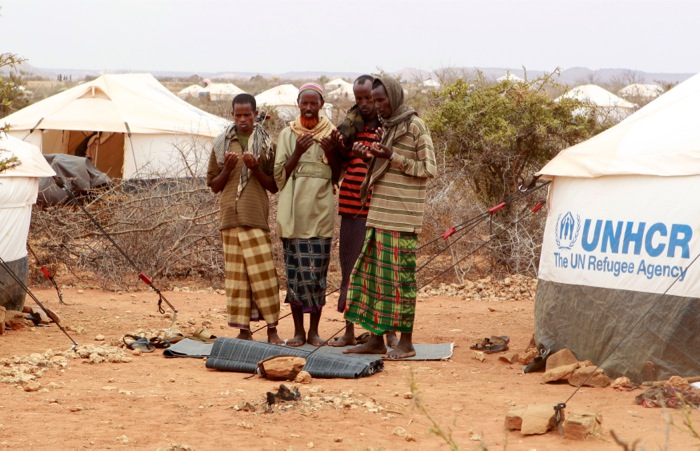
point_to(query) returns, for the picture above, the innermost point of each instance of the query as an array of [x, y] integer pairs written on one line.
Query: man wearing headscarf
[[382, 295], [240, 168], [306, 170], [359, 130]]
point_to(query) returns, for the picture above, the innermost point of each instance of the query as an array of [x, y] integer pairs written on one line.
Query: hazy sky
[[351, 36]]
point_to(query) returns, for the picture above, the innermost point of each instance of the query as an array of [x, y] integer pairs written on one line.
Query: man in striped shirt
[[359, 131], [382, 294]]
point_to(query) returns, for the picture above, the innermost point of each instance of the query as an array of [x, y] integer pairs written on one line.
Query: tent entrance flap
[[105, 148]]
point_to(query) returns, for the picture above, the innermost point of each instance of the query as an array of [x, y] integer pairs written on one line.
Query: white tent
[[221, 91], [647, 91], [190, 91], [337, 83], [282, 100], [608, 106], [342, 92], [618, 282], [145, 130], [430, 83], [19, 187], [509, 77]]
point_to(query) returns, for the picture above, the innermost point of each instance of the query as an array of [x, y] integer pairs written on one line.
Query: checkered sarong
[[252, 291], [382, 295], [306, 261]]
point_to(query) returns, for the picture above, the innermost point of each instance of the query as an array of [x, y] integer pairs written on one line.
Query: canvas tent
[[618, 281], [608, 106], [646, 91], [19, 187], [144, 130], [282, 100]]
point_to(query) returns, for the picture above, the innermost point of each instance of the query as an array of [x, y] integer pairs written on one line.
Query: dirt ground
[[152, 402]]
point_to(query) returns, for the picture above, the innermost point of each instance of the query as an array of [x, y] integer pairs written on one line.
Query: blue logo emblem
[[567, 230]]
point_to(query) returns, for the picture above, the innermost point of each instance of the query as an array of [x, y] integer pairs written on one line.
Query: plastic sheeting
[[80, 176], [231, 354], [620, 330]]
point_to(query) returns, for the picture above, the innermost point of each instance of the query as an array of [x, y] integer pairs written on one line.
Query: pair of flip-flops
[[492, 344], [136, 342]]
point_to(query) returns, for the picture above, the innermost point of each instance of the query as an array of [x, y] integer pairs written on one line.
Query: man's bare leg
[[392, 340], [272, 336], [245, 334], [347, 339], [403, 350], [313, 337], [299, 337], [375, 345]]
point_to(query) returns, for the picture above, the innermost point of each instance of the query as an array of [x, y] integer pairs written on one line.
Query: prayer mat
[[189, 348], [232, 354]]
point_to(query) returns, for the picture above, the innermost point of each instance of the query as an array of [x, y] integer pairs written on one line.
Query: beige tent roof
[[598, 96], [660, 139], [336, 83], [32, 162], [135, 103]]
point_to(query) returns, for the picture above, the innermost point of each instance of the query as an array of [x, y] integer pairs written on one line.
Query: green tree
[[494, 136], [502, 133], [10, 97]]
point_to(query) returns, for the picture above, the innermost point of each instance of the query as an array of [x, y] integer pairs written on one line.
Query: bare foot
[[314, 339], [272, 336], [375, 345], [245, 335], [343, 341], [391, 340], [296, 341], [399, 353]]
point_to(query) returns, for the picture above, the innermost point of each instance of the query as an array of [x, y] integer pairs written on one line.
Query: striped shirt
[[349, 203], [398, 197]]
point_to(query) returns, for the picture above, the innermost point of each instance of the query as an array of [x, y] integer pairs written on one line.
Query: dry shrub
[[166, 228]]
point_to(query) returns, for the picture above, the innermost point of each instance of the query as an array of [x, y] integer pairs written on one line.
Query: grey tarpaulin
[[80, 174], [232, 354], [620, 330]]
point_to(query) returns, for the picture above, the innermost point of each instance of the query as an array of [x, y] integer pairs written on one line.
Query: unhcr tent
[[619, 283], [19, 187], [144, 130]]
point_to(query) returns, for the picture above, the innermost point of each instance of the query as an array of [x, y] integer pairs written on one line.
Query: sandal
[[203, 335], [493, 344], [143, 344]]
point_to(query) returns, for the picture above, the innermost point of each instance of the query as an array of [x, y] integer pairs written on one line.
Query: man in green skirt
[[382, 294]]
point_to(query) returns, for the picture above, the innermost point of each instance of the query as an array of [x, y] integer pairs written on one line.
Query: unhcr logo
[[567, 230]]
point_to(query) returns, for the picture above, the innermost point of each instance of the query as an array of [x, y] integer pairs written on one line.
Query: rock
[[281, 367], [480, 356], [560, 358], [100, 338], [15, 319], [32, 386], [589, 376], [678, 382], [581, 424], [623, 383], [510, 357], [560, 373], [531, 419], [303, 378]]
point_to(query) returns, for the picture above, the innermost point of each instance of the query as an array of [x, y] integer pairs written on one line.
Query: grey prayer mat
[[197, 349], [232, 354]]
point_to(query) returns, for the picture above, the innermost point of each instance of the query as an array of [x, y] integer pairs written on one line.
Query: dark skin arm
[[253, 165], [219, 182], [303, 144], [330, 145]]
